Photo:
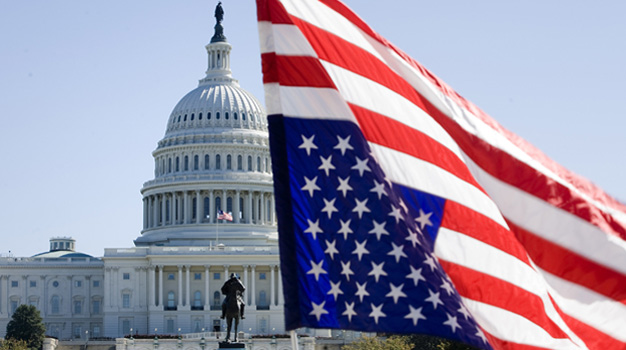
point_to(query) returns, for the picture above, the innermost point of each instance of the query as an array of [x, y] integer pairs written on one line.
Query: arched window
[[218, 204], [239, 162], [206, 162], [169, 165], [226, 115], [171, 300], [192, 115], [228, 162], [167, 210], [177, 163], [194, 208], [235, 116], [243, 116], [186, 163], [241, 207], [258, 164], [206, 207], [197, 299], [208, 115], [216, 298], [200, 116], [185, 118], [218, 162], [249, 163], [54, 304], [178, 119], [229, 204], [217, 115], [262, 298], [267, 165], [196, 162]]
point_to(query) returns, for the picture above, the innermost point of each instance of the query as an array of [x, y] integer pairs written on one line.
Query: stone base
[[227, 345]]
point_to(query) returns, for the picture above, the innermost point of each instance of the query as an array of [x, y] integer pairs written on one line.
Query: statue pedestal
[[226, 345]]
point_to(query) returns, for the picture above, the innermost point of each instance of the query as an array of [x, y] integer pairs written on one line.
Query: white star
[[415, 315], [416, 275], [344, 144], [316, 269], [308, 144], [447, 286], [314, 228], [481, 335], [412, 237], [331, 250], [397, 251], [334, 289], [379, 229], [349, 311], [344, 187], [377, 271], [396, 292], [361, 292], [424, 219], [345, 228], [379, 189], [434, 298], [360, 249], [377, 312], [327, 166], [430, 261], [361, 207], [310, 186], [345, 270], [329, 207], [318, 310], [452, 322], [361, 166], [462, 310], [395, 212]]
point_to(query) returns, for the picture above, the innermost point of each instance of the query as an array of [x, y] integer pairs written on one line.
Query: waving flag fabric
[[221, 215], [402, 207]]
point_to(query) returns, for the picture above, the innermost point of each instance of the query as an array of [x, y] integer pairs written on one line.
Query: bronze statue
[[218, 36], [219, 12], [233, 305]]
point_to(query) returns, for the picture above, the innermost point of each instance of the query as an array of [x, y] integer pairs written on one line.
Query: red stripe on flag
[[295, 71], [387, 132], [571, 266], [272, 10], [502, 294]]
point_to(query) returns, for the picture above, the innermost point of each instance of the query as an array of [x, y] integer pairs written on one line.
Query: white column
[[115, 278], [236, 207], [272, 282], [180, 286], [172, 208], [226, 273], [152, 286], [163, 209], [245, 283], [252, 289], [187, 285], [263, 215], [180, 210], [186, 211], [224, 209], [155, 211], [2, 294], [273, 210], [161, 287], [207, 306], [199, 206], [281, 301], [145, 213]]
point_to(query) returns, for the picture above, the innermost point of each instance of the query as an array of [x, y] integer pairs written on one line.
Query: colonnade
[[183, 207]]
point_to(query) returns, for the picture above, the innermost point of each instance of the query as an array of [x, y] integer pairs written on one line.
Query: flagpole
[[217, 231], [294, 340]]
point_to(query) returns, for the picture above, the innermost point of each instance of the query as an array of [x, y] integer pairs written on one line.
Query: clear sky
[[86, 88]]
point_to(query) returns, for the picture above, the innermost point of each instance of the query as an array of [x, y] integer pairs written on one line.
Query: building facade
[[214, 158]]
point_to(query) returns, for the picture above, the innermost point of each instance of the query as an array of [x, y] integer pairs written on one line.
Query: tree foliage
[[13, 344], [26, 324], [376, 343]]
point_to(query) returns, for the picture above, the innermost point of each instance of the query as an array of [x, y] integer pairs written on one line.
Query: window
[[216, 276], [95, 307], [235, 116], [197, 276], [13, 306], [96, 283], [77, 331], [78, 307], [229, 204], [218, 203], [243, 116], [194, 207], [197, 299], [239, 162], [55, 284], [54, 304], [177, 163], [96, 331], [186, 163], [169, 165], [218, 161], [126, 276], [267, 165], [185, 118], [171, 303], [170, 326], [262, 275], [192, 115], [125, 326], [14, 284], [196, 162], [200, 116], [126, 301], [171, 277], [33, 284], [226, 115], [262, 298], [241, 207], [206, 207], [258, 164], [208, 115], [249, 163], [217, 115], [78, 284], [216, 298], [206, 162], [228, 162]]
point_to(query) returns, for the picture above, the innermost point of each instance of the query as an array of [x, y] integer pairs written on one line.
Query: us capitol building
[[214, 156]]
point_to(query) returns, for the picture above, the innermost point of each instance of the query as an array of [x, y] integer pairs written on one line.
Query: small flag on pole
[[404, 208], [224, 216]]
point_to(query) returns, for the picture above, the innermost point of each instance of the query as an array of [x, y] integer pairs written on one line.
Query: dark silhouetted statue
[[233, 305]]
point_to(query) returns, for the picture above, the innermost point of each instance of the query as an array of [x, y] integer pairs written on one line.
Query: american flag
[[224, 216], [404, 208]]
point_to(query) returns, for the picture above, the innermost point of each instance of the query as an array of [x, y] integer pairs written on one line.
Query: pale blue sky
[[86, 88]]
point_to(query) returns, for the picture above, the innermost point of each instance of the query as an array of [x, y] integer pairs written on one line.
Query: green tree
[[13, 344], [26, 324], [393, 342]]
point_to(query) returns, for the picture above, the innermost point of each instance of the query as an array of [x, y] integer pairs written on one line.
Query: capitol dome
[[214, 158]]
